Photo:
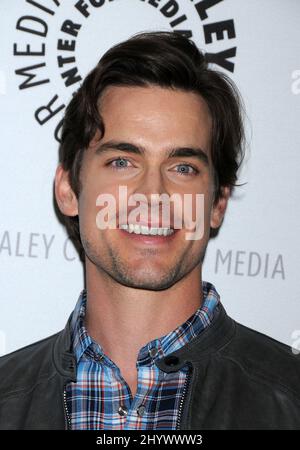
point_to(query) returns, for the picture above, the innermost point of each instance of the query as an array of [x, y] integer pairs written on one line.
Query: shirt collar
[[157, 348]]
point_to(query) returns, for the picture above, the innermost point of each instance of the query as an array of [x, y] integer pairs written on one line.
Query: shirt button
[[152, 352], [141, 409], [171, 360], [122, 410]]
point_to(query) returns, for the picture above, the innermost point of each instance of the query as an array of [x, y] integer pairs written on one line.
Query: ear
[[218, 209], [65, 197]]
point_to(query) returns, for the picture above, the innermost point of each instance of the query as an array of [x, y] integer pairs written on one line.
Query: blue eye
[[181, 172], [117, 160]]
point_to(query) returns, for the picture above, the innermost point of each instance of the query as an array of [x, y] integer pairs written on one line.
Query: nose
[[152, 182]]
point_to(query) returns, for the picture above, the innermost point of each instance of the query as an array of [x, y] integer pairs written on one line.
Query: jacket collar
[[210, 340], [63, 356]]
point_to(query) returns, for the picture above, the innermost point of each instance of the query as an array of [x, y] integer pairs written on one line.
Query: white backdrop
[[254, 261]]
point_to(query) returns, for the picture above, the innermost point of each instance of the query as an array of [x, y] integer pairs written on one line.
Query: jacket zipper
[[66, 412], [180, 409], [182, 400]]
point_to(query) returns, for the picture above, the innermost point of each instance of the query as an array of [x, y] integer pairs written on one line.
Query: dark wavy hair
[[169, 60]]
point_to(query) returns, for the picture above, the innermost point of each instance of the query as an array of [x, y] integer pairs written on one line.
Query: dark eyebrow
[[196, 152]]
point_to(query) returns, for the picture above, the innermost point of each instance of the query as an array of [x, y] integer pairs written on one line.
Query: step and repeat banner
[[47, 48]]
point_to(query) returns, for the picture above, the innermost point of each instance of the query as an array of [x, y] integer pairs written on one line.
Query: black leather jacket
[[239, 379]]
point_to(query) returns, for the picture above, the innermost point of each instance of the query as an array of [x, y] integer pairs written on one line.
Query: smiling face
[[154, 121]]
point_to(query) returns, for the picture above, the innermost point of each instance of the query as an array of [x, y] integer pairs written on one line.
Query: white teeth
[[142, 229]]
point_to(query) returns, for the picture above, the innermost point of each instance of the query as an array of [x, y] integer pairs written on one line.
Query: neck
[[123, 319]]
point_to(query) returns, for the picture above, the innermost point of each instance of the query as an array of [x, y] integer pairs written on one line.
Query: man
[[149, 344]]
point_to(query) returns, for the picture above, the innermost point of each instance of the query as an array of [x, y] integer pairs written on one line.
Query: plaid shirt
[[101, 398]]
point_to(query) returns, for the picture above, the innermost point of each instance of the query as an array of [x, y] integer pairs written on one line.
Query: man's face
[[156, 120]]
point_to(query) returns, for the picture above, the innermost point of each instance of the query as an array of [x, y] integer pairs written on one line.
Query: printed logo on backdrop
[[44, 25]]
